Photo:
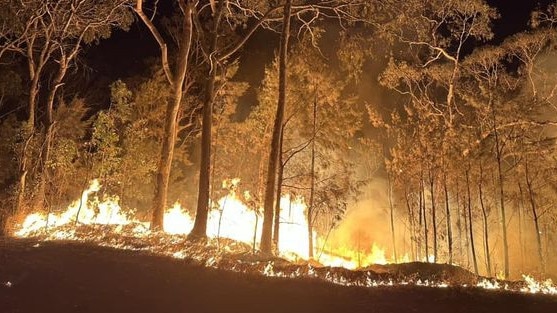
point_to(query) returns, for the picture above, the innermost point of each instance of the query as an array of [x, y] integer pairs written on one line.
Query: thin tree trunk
[[200, 225], [267, 229], [535, 216], [499, 157], [426, 230], [312, 181], [49, 134], [420, 223], [520, 226], [392, 215], [459, 221], [470, 223], [276, 223], [433, 215], [485, 225], [411, 224], [449, 225], [280, 176]]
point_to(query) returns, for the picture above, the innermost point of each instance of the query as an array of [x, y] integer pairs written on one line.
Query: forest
[[414, 126]]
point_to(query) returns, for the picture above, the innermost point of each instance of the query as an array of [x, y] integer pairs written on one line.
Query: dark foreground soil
[[68, 277]]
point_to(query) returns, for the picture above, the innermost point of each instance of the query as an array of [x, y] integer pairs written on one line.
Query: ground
[[69, 277]]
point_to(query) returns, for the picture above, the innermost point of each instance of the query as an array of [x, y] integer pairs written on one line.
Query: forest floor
[[61, 277]]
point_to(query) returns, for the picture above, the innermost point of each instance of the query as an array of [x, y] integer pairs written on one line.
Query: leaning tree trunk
[[470, 223], [172, 109], [268, 209]]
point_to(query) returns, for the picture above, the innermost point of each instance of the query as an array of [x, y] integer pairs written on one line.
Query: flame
[[107, 212], [533, 286], [177, 221], [234, 219]]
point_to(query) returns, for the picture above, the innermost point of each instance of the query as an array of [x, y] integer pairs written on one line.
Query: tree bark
[[267, 229]]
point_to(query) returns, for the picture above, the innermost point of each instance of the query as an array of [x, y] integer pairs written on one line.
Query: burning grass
[[227, 254], [232, 242]]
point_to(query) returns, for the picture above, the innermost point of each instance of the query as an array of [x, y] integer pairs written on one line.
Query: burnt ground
[[69, 277]]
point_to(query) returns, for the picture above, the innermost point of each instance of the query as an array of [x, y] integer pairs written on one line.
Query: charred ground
[[74, 277]]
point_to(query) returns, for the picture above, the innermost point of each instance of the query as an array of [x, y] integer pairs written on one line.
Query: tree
[[266, 233], [176, 78], [52, 33]]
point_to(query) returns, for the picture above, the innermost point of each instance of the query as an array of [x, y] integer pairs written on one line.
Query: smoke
[[367, 222]]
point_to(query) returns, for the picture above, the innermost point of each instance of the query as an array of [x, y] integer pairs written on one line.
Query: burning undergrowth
[[231, 255], [231, 244]]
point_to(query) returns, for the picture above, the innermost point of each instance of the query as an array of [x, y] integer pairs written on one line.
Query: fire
[[177, 221], [240, 220], [84, 211], [231, 217]]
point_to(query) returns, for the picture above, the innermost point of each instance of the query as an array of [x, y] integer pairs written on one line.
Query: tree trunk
[[312, 182], [535, 215], [485, 225], [276, 229], [200, 226], [520, 226], [433, 213], [28, 133], [276, 223], [41, 198], [459, 221], [499, 158], [172, 109], [426, 230], [392, 215], [470, 223], [267, 229], [411, 225], [449, 225]]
